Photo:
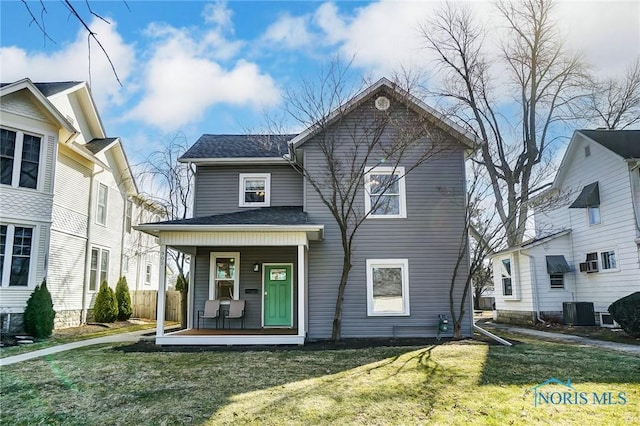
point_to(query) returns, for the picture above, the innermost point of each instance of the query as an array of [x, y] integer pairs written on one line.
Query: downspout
[[635, 190], [87, 258], [534, 284]]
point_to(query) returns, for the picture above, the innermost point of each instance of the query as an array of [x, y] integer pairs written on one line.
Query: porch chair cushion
[[236, 311], [211, 311]]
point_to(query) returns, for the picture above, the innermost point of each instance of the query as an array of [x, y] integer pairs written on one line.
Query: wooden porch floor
[[236, 332]]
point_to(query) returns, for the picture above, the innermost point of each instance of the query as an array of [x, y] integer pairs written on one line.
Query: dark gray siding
[[248, 279], [429, 238], [217, 187]]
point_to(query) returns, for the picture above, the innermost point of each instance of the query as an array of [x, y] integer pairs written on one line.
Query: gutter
[[634, 189]]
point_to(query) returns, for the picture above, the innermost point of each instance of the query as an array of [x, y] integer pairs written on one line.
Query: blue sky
[[199, 67]]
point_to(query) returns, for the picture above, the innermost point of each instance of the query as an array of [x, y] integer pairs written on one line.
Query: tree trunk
[[337, 316], [183, 310]]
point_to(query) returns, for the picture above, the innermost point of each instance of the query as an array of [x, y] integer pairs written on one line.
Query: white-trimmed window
[[125, 263], [147, 274], [556, 281], [224, 276], [99, 268], [385, 194], [128, 216], [387, 287], [19, 159], [593, 214], [101, 210], [506, 276], [255, 190], [16, 248], [608, 260]]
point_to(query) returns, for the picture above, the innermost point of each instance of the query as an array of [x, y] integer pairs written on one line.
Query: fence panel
[[145, 302]]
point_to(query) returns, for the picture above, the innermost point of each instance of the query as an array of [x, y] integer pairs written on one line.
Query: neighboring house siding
[[429, 238], [247, 279], [25, 207], [615, 232], [67, 254], [217, 188]]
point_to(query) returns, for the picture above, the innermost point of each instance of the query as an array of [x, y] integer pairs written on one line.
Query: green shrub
[[39, 313], [106, 307], [124, 300], [626, 312], [181, 284]]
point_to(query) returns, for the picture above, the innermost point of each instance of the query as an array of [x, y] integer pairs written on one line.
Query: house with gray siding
[[262, 234]]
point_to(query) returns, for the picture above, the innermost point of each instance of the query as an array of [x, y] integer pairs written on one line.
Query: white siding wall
[[616, 232], [29, 207], [69, 231], [142, 249]]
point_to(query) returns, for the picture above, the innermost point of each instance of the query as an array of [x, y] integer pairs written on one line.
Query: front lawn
[[466, 382]]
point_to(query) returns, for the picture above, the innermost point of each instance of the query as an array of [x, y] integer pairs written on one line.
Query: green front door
[[277, 295]]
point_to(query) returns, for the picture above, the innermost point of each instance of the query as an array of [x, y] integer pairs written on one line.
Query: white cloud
[[288, 32], [72, 63], [181, 82], [219, 15]]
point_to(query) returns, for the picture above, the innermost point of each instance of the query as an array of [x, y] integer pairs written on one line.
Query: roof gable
[[391, 89], [625, 143]]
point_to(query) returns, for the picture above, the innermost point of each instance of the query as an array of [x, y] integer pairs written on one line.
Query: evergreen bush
[[626, 312], [124, 300], [39, 313], [106, 307]]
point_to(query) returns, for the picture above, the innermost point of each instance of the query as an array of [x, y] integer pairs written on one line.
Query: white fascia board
[[239, 160], [156, 229]]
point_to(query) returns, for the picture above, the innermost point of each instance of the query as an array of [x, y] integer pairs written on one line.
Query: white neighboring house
[[587, 249], [67, 200]]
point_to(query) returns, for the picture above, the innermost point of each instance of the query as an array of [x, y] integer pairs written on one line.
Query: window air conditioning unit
[[589, 266]]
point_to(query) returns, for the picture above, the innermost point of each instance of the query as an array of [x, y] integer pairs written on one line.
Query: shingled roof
[[625, 143], [263, 216], [97, 145], [50, 89], [238, 146]]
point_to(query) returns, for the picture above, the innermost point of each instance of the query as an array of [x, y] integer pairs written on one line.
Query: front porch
[[263, 265]]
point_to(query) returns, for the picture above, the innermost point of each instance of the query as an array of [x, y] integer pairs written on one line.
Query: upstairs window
[[255, 190], [19, 159], [128, 216], [594, 215], [385, 195], [101, 210], [147, 274]]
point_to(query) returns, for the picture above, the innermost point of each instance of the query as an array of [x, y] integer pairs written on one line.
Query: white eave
[[534, 243], [313, 232]]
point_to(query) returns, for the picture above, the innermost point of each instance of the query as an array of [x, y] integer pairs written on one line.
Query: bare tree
[[544, 80], [615, 103], [349, 140], [169, 184], [82, 16], [482, 235]]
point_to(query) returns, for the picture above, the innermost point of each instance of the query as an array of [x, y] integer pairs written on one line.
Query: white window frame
[[99, 271], [267, 189], [128, 216], [102, 220], [17, 159], [515, 290], [551, 279], [212, 274], [403, 264], [590, 219], [147, 274], [402, 196], [125, 263], [8, 255], [601, 254]]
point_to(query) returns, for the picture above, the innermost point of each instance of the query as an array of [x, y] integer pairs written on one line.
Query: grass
[[75, 334], [467, 382]]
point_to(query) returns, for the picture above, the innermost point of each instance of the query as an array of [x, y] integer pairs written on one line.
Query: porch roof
[[264, 220]]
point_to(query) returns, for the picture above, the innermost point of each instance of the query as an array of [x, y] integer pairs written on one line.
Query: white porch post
[[191, 292], [301, 291], [162, 293]]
